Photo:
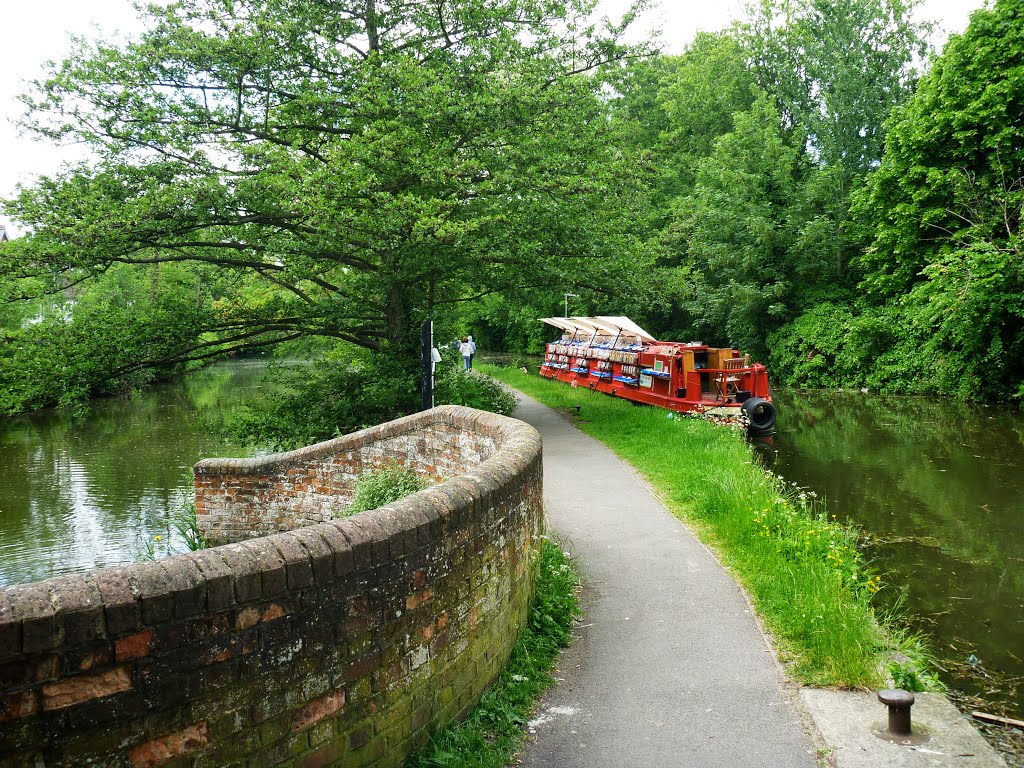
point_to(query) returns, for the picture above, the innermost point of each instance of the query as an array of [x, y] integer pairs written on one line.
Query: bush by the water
[[349, 390]]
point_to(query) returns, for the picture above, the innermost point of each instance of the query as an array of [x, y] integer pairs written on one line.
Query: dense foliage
[[349, 390], [355, 167], [808, 185]]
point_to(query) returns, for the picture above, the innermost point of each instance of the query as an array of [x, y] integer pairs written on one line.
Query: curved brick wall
[[338, 643]]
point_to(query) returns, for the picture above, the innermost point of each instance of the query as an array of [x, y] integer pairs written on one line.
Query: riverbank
[[802, 570]]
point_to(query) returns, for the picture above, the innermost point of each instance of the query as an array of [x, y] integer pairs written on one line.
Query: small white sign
[[645, 380]]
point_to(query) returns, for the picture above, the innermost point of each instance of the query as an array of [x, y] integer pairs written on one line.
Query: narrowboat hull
[[614, 356]]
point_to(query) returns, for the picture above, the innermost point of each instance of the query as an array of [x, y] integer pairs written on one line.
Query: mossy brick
[[155, 595], [356, 670], [360, 540], [188, 587], [18, 704], [273, 578], [398, 533], [275, 729], [28, 759], [84, 688], [360, 736], [33, 609], [296, 558], [167, 747], [394, 714], [102, 717], [87, 657], [245, 570], [322, 732], [379, 547], [322, 756], [219, 675], [344, 563], [10, 628], [30, 670], [220, 579], [79, 606], [276, 642], [270, 703], [321, 556]]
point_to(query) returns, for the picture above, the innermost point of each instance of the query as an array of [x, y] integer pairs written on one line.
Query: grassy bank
[[492, 733], [802, 570]]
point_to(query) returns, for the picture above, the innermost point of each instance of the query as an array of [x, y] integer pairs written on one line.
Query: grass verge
[[492, 733], [801, 569]]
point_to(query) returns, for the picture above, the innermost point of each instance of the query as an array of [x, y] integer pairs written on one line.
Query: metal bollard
[[899, 703]]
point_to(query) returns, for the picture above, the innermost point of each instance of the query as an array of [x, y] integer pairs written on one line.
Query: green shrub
[[454, 386], [376, 488]]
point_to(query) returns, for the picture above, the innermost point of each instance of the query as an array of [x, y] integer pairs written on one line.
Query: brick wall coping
[[508, 431], [108, 602]]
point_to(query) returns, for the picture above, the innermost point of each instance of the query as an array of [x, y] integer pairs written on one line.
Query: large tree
[[836, 69], [945, 206], [357, 162]]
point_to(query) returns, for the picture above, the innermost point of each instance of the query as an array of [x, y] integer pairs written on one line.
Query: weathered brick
[[155, 593], [318, 709], [79, 606], [360, 540], [340, 547], [328, 754], [76, 690], [17, 705], [245, 570], [187, 585], [273, 578], [320, 554], [33, 609], [10, 628], [297, 563], [416, 599], [122, 609], [85, 658], [160, 751], [134, 646], [220, 582], [393, 530]]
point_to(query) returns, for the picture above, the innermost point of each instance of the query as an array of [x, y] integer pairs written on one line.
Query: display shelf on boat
[[613, 355]]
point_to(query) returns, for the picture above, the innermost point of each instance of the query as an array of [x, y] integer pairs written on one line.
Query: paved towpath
[[670, 669]]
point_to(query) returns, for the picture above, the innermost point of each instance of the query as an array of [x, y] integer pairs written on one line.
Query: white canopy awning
[[599, 326]]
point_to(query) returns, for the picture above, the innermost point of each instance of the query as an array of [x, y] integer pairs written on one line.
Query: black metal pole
[[426, 364]]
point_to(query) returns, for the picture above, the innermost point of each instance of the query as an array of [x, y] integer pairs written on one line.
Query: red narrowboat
[[616, 356]]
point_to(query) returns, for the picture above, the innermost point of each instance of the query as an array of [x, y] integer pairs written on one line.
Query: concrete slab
[[847, 721]]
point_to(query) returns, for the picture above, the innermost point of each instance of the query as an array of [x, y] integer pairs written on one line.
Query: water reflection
[[938, 488], [77, 494]]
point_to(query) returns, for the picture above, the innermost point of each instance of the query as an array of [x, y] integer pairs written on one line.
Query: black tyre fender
[[760, 413]]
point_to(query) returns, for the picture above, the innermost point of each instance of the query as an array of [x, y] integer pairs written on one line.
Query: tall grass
[[802, 570]]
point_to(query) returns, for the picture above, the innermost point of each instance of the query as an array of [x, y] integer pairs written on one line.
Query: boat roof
[[603, 325]]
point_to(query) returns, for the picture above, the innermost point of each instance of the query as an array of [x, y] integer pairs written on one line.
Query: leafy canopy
[[356, 163]]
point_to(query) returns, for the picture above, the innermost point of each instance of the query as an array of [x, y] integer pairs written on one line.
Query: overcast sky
[[34, 31]]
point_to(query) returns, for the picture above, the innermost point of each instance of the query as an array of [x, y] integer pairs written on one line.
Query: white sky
[[34, 31]]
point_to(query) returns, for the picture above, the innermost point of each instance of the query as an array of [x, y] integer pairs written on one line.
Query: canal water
[[938, 489], [83, 493]]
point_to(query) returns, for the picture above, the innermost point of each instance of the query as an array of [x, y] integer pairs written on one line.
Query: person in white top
[[466, 350], [472, 351]]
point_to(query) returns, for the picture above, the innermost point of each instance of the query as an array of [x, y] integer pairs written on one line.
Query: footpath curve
[[670, 668]]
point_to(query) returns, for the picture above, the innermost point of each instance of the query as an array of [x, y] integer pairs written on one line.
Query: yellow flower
[[158, 537]]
